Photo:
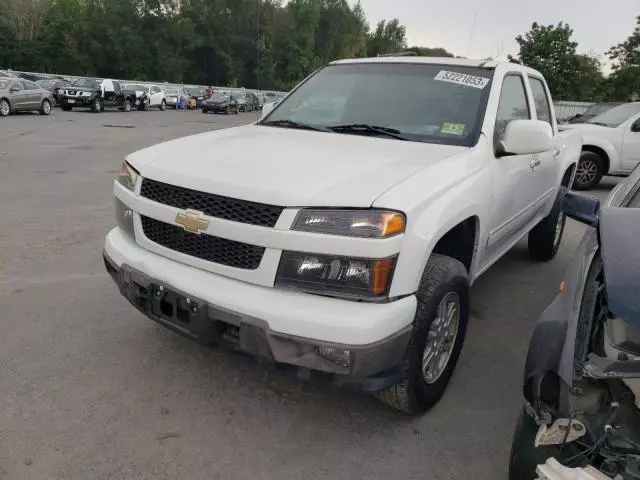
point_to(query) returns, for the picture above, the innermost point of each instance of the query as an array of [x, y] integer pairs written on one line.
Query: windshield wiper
[[292, 124], [366, 128], [598, 123]]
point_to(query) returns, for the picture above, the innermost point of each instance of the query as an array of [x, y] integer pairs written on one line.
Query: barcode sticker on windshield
[[462, 79]]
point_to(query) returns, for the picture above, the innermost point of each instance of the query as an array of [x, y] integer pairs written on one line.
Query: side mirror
[[582, 208], [635, 126], [524, 137], [577, 115], [14, 89], [267, 108]]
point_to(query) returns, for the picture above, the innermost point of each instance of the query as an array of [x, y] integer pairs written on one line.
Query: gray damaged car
[[582, 374], [19, 95]]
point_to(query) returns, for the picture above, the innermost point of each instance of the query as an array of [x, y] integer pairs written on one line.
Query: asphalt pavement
[[91, 389]]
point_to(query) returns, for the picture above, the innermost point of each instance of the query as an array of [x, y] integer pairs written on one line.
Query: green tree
[[624, 82], [550, 50], [388, 37], [190, 41]]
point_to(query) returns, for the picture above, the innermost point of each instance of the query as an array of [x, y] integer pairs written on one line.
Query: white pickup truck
[[340, 234], [611, 144]]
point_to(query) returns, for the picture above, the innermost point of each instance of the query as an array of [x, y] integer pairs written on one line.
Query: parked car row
[[97, 94]]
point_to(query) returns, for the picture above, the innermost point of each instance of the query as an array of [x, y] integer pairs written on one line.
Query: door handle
[[556, 152], [535, 163]]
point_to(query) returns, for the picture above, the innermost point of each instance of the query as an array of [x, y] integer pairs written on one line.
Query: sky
[[597, 24]]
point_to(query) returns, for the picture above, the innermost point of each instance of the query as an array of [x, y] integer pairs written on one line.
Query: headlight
[[127, 176], [355, 277], [351, 223], [124, 217]]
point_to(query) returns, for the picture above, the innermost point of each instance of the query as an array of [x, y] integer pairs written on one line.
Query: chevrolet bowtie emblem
[[191, 222]]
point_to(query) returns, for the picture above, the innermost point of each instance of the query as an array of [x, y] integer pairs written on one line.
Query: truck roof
[[463, 62]]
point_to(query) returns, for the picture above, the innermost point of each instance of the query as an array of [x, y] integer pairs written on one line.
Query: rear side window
[[513, 105], [543, 111]]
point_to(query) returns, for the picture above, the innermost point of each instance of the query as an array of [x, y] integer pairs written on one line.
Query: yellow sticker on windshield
[[452, 128]]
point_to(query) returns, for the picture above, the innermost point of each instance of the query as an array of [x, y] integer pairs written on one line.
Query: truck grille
[[213, 205], [209, 248]]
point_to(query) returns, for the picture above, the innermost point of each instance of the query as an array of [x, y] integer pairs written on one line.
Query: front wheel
[[439, 328], [126, 106], [525, 456], [96, 105], [589, 172], [544, 240], [5, 108]]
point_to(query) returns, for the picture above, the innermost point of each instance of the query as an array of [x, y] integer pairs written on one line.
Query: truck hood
[[287, 167], [583, 127]]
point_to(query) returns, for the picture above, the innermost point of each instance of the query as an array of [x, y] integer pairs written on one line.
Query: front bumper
[[265, 322], [75, 101]]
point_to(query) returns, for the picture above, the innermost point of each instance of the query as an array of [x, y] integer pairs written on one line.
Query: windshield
[[86, 83], [422, 102], [599, 108], [46, 83], [616, 116], [135, 86], [171, 91], [220, 96]]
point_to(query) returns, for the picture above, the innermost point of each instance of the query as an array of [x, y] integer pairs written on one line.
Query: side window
[[117, 88], [28, 85], [541, 100], [155, 90], [513, 105]]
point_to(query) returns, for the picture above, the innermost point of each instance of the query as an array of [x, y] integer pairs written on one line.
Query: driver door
[[516, 186], [19, 96], [630, 156]]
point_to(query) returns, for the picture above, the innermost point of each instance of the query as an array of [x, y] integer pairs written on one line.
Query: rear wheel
[[163, 106], [45, 107], [228, 112], [546, 237], [5, 107], [439, 328], [589, 172], [126, 106]]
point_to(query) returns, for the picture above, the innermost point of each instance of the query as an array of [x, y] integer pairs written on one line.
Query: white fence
[[566, 109]]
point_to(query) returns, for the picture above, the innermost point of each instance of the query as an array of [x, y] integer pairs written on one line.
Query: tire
[[525, 456], [163, 106], [96, 105], [589, 172], [126, 106], [204, 110], [546, 237], [228, 112], [45, 107], [444, 279], [146, 106], [5, 107]]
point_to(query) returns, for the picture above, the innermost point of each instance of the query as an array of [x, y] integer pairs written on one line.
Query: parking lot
[[90, 389]]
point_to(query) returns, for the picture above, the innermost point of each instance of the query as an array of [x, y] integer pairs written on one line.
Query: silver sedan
[[20, 95]]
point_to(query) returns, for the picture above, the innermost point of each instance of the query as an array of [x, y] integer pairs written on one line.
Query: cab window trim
[[547, 95]]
